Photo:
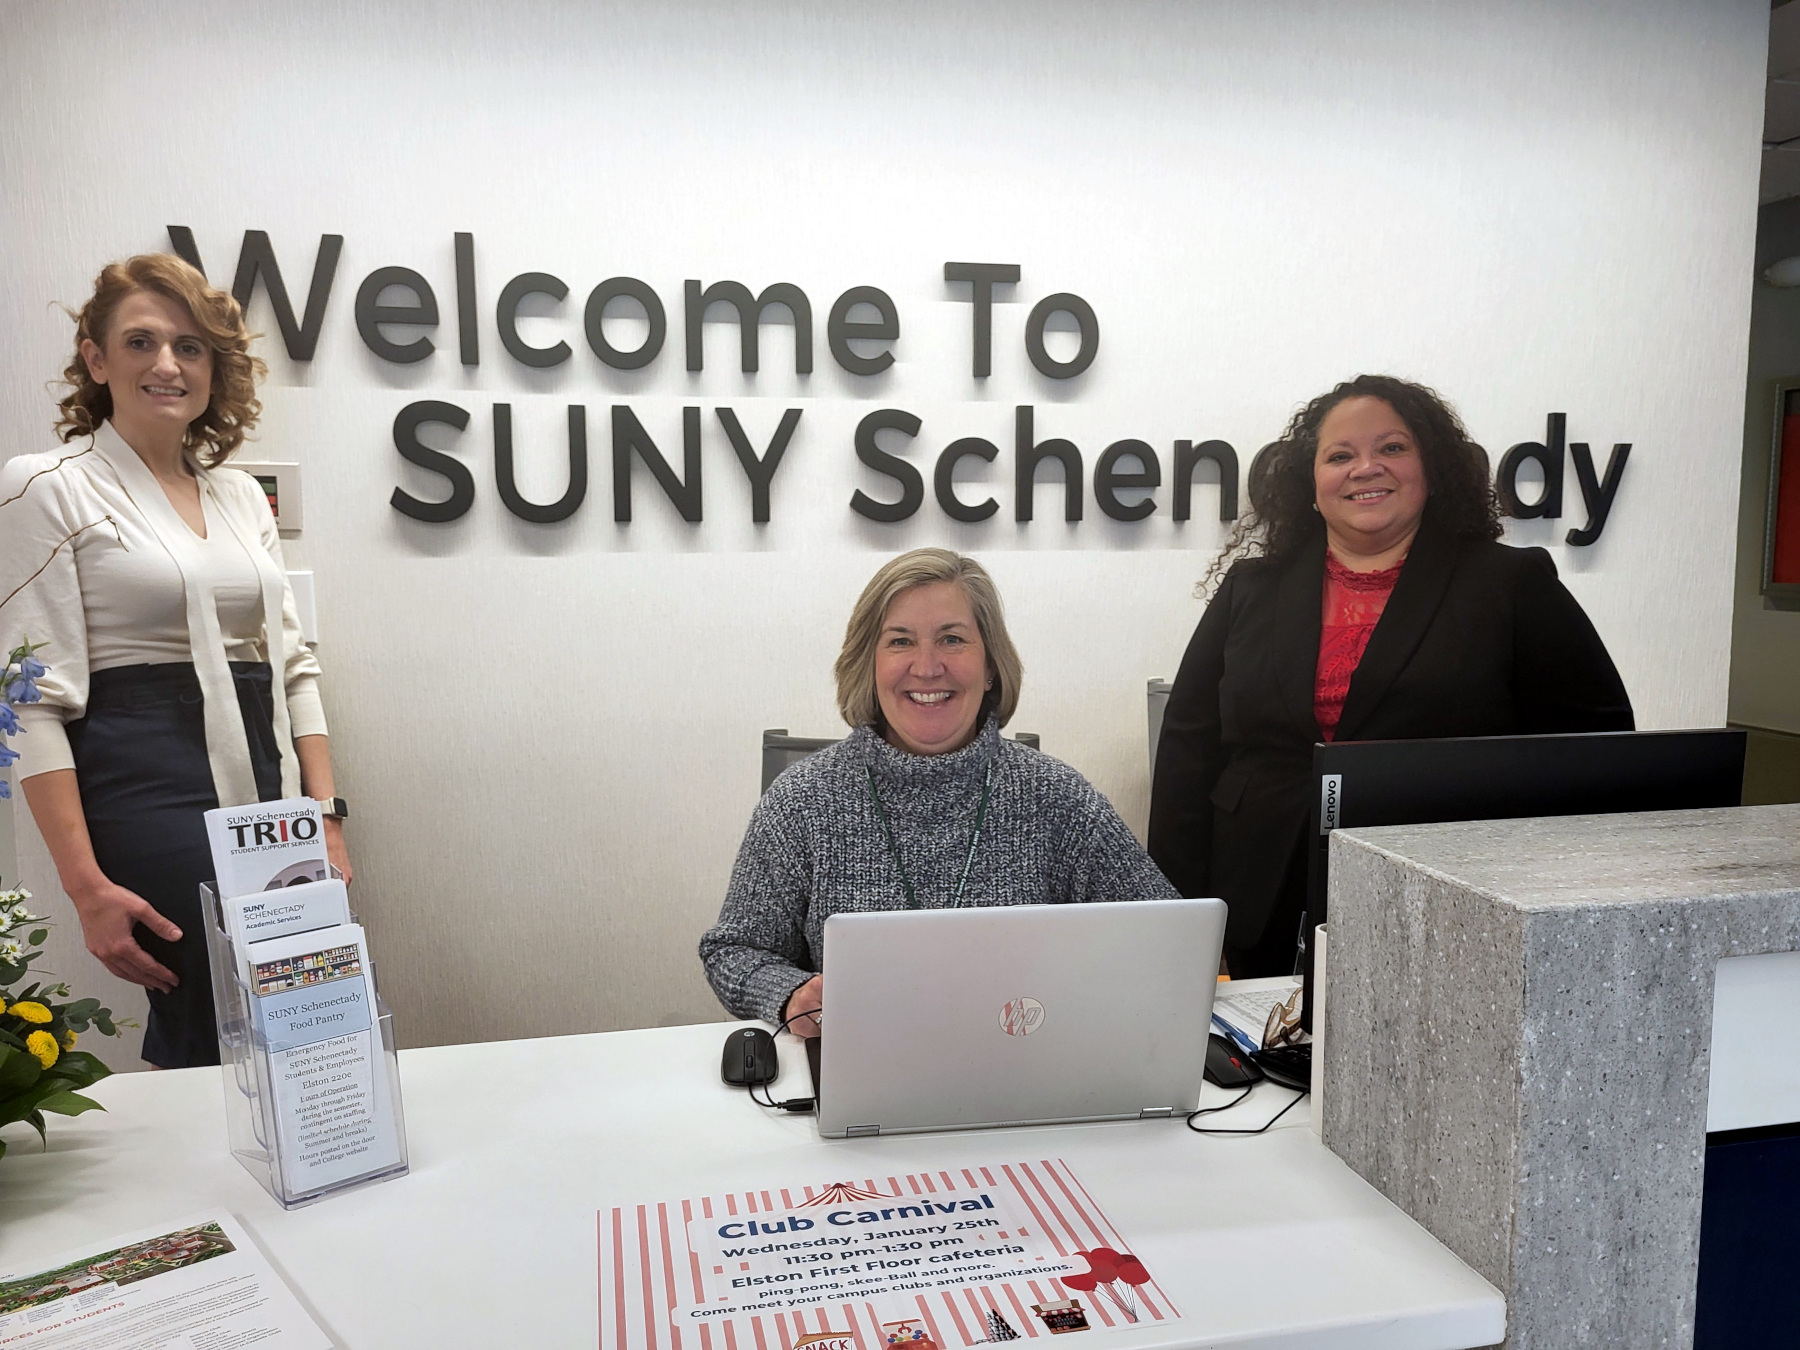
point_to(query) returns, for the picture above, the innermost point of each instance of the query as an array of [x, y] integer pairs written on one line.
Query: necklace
[[887, 830]]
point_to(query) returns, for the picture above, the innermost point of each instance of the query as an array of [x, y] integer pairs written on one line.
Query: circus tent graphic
[[842, 1192]]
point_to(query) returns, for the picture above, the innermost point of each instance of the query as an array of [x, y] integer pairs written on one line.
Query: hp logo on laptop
[[1021, 1016]]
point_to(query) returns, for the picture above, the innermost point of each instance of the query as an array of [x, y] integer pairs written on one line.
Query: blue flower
[[5, 790], [32, 668], [23, 690], [7, 755], [9, 720]]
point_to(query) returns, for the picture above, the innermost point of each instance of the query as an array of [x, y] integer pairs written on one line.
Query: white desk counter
[[1268, 1241]]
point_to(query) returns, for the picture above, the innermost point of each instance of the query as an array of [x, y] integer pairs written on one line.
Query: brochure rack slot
[[250, 1074]]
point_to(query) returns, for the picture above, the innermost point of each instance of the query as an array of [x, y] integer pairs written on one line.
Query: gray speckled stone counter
[[1516, 1044]]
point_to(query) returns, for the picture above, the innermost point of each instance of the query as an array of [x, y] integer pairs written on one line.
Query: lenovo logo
[[1331, 801]]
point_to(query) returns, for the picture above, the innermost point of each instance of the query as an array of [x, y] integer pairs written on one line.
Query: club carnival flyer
[[922, 1261]]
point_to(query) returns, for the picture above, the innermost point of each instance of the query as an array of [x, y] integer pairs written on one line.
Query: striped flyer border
[[643, 1254]]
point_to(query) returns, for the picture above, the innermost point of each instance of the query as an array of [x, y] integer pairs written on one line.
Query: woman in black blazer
[[1369, 600]]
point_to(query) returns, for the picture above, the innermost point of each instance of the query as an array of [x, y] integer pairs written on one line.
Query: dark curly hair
[[1281, 516], [233, 407]]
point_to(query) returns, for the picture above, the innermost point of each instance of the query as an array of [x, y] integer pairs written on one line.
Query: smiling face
[[1368, 479], [158, 367], [931, 669]]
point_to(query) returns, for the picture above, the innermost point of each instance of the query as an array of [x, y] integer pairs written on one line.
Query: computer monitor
[[1358, 783]]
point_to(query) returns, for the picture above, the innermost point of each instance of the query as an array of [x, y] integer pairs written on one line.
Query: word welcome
[[397, 315]]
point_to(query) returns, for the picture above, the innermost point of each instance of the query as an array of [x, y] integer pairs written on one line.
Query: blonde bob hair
[[857, 697], [233, 407]]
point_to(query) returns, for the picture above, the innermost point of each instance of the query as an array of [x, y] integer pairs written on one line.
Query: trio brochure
[[267, 845], [201, 1282], [922, 1261], [305, 974]]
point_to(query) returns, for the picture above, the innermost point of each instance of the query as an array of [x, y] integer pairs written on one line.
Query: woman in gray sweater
[[924, 806]]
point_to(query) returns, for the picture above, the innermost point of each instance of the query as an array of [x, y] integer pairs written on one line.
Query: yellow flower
[[30, 1012], [68, 1039], [43, 1045]]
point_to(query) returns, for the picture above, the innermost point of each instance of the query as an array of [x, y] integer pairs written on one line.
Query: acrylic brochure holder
[[251, 1097]]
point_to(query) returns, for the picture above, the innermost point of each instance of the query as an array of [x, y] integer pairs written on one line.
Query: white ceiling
[[1781, 111]]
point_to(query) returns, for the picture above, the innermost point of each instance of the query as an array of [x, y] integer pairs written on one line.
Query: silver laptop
[[952, 1019]]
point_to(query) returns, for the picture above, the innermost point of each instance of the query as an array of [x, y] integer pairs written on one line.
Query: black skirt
[[141, 762]]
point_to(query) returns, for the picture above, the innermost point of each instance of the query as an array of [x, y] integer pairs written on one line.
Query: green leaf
[[18, 1071], [36, 1121], [27, 1106], [83, 1008], [80, 1062], [69, 1104], [39, 936], [104, 1024], [8, 1038]]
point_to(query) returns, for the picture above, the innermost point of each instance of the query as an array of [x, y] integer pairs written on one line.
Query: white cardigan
[[150, 592]]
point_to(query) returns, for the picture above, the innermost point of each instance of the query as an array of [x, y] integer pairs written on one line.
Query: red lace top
[[1353, 603]]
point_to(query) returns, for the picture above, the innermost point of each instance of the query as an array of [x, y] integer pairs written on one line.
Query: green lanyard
[[887, 830]]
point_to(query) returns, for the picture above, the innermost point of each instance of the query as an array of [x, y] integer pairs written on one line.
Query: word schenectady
[[397, 312]]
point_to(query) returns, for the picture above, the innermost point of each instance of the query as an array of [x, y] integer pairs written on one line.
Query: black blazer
[[1477, 639]]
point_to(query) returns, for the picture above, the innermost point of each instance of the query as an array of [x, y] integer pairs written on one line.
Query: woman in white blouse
[[178, 680]]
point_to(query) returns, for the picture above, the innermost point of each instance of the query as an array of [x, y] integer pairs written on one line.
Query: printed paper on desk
[[924, 1261], [199, 1281], [267, 845]]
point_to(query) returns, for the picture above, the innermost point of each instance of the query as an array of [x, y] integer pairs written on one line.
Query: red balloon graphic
[[1083, 1283], [1104, 1262], [1131, 1270]]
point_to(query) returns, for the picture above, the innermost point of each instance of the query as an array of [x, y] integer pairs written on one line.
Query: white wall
[[549, 734]]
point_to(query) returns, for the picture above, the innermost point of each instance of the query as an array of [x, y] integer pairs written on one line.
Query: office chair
[[1158, 697]]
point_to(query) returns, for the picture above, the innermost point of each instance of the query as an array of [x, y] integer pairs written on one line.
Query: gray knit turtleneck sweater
[[815, 848]]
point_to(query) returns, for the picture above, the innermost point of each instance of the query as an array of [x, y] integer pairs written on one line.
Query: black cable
[[793, 1105], [768, 1100], [1213, 1110], [810, 1012]]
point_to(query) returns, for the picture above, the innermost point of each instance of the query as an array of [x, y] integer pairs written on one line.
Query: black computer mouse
[[1227, 1066], [750, 1059]]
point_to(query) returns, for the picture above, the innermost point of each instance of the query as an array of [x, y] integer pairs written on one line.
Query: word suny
[[859, 346]]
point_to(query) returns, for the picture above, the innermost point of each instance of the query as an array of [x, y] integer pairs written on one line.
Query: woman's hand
[[335, 852], [805, 1000], [107, 913]]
